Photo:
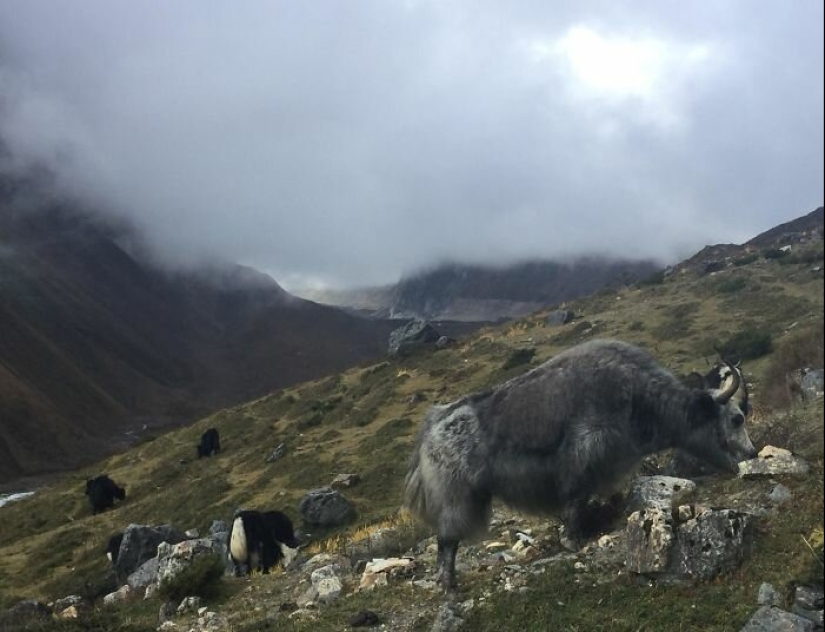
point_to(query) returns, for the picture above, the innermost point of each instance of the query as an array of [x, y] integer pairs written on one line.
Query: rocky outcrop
[[413, 335], [559, 317], [326, 507], [140, 544], [665, 545]]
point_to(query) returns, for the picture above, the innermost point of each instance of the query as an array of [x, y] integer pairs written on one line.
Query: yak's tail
[[415, 492], [418, 497]]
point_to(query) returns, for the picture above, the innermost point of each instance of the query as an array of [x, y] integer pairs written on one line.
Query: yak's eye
[[738, 420]]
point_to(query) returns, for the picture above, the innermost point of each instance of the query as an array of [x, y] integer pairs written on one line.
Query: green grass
[[364, 421]]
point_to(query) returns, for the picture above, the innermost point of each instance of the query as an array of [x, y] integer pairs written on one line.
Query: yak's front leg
[[572, 534], [447, 549]]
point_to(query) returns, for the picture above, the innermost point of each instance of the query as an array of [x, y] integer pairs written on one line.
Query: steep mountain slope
[[482, 293], [800, 230], [364, 420], [96, 342]]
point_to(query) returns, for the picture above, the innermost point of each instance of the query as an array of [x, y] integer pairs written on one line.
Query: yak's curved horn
[[724, 396]]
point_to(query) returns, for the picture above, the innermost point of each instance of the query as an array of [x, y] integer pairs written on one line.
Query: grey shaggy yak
[[549, 439]]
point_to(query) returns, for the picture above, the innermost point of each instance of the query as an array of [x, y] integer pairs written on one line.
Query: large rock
[[715, 541], [219, 529], [769, 619], [813, 382], [174, 558], [559, 317], [680, 546], [140, 544], [808, 603], [325, 507], [659, 492], [650, 539], [414, 334], [327, 583], [145, 575], [773, 461]]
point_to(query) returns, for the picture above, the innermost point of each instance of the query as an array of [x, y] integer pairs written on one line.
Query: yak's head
[[716, 420]]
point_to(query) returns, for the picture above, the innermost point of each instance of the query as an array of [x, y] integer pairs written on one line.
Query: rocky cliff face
[[476, 293]]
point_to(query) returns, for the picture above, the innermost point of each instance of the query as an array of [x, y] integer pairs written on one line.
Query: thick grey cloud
[[348, 142]]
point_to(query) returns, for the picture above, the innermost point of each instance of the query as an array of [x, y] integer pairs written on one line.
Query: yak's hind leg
[[466, 515]]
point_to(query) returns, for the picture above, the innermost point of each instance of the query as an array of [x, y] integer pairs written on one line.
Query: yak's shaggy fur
[[551, 438]]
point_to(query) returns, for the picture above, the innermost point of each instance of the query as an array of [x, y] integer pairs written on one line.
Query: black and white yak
[[550, 439], [102, 492], [255, 539], [210, 443]]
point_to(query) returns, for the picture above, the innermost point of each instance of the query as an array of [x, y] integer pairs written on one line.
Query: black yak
[[550, 439], [210, 443], [255, 539], [102, 492]]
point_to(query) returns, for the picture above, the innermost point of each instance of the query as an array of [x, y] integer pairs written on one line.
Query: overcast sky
[[349, 142]]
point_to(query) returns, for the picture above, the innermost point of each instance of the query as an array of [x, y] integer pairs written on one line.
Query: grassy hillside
[[364, 421]]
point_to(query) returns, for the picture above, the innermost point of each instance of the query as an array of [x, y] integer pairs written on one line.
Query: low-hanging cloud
[[350, 142]]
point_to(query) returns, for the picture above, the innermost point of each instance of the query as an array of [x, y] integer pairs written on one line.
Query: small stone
[[69, 613], [780, 494], [167, 612], [607, 541], [768, 596], [495, 546], [771, 452], [345, 480], [189, 604]]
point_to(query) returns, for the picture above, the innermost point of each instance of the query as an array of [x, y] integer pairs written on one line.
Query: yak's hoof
[[571, 542], [447, 582]]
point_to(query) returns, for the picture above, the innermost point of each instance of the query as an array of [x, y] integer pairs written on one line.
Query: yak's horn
[[724, 397]]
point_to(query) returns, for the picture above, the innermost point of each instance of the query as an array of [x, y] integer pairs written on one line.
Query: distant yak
[[102, 492], [210, 443], [255, 540], [552, 438]]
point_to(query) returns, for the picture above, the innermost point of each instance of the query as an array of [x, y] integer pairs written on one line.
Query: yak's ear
[[702, 408], [695, 380]]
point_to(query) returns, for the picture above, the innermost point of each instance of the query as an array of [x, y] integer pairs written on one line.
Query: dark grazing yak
[[102, 492], [255, 539], [548, 440], [210, 443]]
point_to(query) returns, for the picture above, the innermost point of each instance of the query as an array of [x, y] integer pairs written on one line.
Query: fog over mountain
[[345, 144]]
